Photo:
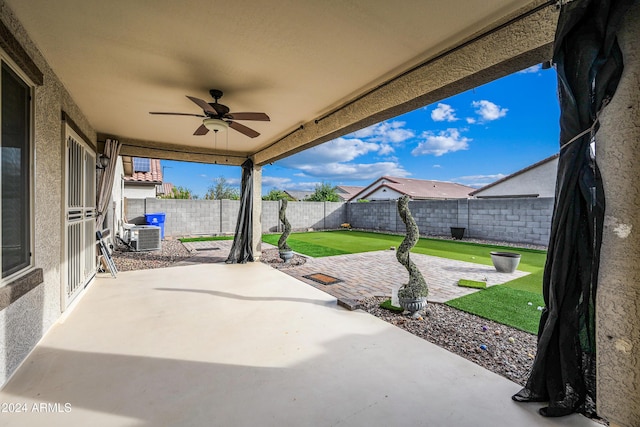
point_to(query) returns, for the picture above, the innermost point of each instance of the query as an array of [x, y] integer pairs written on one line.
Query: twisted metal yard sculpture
[[417, 286], [284, 249]]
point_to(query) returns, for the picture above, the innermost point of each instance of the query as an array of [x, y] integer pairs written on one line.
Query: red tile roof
[[166, 188], [348, 191], [418, 188], [154, 176]]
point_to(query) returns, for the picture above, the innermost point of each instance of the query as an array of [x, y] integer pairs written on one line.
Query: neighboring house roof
[[346, 192], [298, 195], [417, 188], [164, 188], [142, 171], [479, 191]]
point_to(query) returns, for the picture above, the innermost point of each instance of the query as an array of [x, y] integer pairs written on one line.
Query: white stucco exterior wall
[[27, 319], [139, 191], [384, 193], [117, 195], [540, 181]]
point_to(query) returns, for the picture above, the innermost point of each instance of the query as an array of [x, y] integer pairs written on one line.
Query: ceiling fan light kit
[[215, 125], [217, 117]]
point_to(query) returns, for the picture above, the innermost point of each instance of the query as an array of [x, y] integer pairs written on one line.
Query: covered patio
[[210, 344], [174, 346]]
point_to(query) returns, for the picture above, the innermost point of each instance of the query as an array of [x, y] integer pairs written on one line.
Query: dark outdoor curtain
[[241, 250], [105, 180], [589, 64]]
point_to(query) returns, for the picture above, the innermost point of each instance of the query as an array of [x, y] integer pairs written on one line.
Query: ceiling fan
[[218, 117]]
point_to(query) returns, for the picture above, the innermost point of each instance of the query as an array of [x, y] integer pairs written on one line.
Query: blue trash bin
[[156, 219]]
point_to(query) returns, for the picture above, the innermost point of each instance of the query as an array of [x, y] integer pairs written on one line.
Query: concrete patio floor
[[246, 345]]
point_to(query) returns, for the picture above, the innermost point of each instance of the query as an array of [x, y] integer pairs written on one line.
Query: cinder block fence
[[525, 220]]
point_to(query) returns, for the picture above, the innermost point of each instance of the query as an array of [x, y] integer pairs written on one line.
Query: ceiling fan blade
[[203, 104], [243, 129], [250, 116], [221, 109], [202, 130], [176, 114]]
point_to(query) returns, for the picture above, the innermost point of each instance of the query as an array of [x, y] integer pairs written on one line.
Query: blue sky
[[473, 138]]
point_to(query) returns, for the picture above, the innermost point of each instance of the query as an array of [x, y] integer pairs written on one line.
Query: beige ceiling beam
[[164, 151], [524, 41]]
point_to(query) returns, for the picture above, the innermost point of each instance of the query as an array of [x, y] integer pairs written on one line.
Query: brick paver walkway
[[374, 273]]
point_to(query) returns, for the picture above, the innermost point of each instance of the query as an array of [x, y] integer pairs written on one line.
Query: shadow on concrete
[[328, 303]]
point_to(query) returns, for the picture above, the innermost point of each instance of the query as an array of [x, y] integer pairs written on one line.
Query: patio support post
[[256, 243], [618, 301]]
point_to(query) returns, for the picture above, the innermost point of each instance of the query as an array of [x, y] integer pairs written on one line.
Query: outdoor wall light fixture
[[103, 161], [215, 125]]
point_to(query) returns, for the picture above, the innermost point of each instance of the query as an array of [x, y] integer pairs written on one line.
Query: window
[[15, 143]]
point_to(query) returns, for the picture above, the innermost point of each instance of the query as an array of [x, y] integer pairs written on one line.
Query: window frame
[[6, 60]]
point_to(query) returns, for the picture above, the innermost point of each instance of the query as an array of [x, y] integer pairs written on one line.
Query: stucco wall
[[618, 299], [138, 191], [384, 193], [539, 181], [116, 208], [24, 322]]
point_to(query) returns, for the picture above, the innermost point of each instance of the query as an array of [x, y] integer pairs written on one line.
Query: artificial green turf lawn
[[205, 238], [342, 242], [505, 305], [472, 284], [502, 303], [388, 306]]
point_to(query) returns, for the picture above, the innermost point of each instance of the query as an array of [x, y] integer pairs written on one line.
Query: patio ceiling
[[295, 60]]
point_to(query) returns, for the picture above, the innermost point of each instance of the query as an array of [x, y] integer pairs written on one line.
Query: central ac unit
[[145, 238]]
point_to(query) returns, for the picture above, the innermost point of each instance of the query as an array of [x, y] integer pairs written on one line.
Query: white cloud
[[446, 141], [385, 149], [532, 69], [437, 166], [353, 171], [338, 150], [275, 182], [489, 111], [385, 132], [337, 159], [478, 181], [304, 186], [391, 159], [443, 112], [470, 120]]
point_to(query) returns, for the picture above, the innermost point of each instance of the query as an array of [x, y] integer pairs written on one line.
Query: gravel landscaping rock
[[172, 251], [504, 350], [272, 257]]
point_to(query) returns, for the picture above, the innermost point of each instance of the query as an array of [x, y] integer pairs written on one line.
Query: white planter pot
[[505, 262]]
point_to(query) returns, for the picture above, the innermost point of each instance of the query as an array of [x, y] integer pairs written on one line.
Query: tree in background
[[277, 195], [221, 189], [325, 192], [180, 193]]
